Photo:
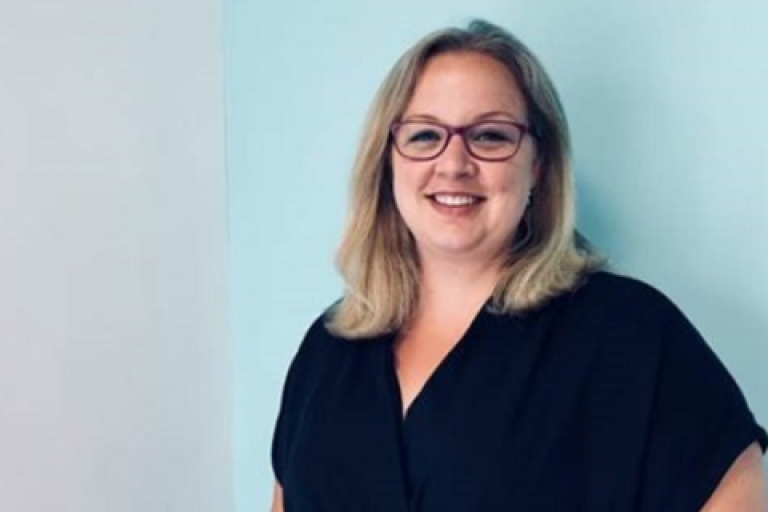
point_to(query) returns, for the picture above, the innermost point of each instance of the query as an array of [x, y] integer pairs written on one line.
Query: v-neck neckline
[[441, 367]]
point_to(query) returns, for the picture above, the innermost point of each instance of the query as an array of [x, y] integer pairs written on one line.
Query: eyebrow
[[480, 117]]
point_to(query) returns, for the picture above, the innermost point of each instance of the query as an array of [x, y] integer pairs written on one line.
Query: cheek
[[403, 191], [525, 176], [512, 188], [408, 180], [513, 183]]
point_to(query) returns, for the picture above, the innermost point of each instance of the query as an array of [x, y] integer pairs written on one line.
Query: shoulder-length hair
[[377, 256]]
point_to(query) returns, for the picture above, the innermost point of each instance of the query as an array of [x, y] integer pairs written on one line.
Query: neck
[[455, 286]]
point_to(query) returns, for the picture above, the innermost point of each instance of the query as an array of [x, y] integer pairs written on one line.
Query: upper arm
[[699, 426], [301, 380], [277, 499], [743, 487]]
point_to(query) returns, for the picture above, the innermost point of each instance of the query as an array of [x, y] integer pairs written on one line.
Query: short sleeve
[[699, 425], [279, 435], [297, 389]]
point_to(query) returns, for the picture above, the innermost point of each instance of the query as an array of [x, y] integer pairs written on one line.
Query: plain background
[[114, 346], [670, 127]]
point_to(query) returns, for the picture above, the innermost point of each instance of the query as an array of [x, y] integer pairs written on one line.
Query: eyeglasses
[[491, 141]]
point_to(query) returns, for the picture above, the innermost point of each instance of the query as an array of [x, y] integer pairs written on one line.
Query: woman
[[479, 358]]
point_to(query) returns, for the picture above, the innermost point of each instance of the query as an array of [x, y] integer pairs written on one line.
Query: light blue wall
[[671, 134]]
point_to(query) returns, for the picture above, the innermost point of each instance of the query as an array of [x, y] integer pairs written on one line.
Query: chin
[[456, 247]]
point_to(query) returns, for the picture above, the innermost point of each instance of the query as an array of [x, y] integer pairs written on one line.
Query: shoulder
[[613, 304], [320, 348], [632, 325], [319, 357], [647, 363], [641, 330], [608, 290], [317, 344]]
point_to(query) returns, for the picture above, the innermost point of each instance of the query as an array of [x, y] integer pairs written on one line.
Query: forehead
[[458, 87]]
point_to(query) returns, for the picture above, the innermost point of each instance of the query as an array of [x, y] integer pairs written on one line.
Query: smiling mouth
[[456, 200]]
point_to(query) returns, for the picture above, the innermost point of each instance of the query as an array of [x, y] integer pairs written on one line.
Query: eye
[[425, 135], [493, 135]]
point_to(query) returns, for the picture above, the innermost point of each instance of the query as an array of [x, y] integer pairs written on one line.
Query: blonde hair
[[377, 257]]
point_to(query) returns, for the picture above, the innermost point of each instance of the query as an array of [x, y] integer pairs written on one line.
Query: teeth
[[455, 200]]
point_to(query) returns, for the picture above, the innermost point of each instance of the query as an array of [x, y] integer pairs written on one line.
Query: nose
[[455, 160]]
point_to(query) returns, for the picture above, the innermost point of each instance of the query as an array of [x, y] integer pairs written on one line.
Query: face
[[456, 205]]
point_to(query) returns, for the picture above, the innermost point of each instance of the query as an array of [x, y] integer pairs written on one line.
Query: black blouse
[[607, 399]]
